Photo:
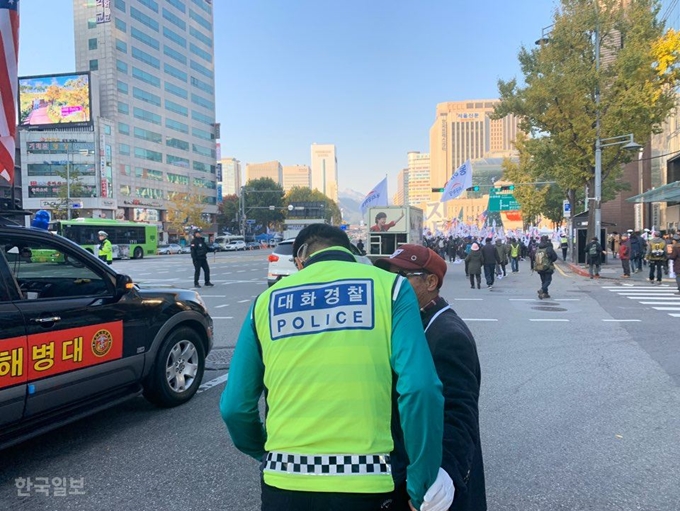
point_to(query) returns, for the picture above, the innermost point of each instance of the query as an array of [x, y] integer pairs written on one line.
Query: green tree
[[556, 102], [72, 188], [263, 203], [228, 213], [333, 214], [553, 208]]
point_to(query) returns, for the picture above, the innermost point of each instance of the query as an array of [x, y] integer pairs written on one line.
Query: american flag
[[9, 51]]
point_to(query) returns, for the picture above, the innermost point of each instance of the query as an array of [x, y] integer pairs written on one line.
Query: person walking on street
[[656, 256], [544, 265], [594, 253], [635, 252], [474, 262], [199, 256], [455, 358], [675, 258], [564, 245], [105, 248], [490, 261], [327, 439], [502, 253], [624, 256], [515, 253]]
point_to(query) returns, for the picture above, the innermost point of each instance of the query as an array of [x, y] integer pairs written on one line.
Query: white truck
[[391, 227]]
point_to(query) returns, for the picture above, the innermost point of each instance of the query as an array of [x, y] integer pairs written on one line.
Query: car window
[[284, 249], [43, 271]]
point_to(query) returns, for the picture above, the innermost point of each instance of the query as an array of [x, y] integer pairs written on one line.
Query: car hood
[[184, 298]]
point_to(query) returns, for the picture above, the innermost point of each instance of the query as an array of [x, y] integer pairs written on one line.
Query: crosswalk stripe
[[667, 308], [661, 298]]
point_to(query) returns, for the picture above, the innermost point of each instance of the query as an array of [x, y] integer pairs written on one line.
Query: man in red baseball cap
[[455, 358]]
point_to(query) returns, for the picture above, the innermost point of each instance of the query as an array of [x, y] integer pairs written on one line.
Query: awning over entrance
[[665, 193]]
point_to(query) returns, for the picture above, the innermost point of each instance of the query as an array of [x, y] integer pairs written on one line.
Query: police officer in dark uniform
[[199, 255]]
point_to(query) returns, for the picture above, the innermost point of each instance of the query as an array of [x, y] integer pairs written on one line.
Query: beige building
[[325, 170], [296, 175], [462, 130], [270, 169], [229, 176], [401, 197]]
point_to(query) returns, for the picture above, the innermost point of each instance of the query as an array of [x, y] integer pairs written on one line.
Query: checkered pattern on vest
[[328, 464]]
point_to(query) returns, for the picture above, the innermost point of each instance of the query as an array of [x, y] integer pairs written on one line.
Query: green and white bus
[[129, 239]]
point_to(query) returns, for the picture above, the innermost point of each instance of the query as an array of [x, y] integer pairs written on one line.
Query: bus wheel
[[138, 253]]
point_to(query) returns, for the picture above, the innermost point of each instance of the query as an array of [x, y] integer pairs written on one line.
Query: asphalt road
[[580, 404]]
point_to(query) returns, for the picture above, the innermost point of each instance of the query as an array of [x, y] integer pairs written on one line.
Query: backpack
[[594, 250], [658, 249], [542, 261]]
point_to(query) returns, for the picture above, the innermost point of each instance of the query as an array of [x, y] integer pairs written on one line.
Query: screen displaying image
[[56, 99]]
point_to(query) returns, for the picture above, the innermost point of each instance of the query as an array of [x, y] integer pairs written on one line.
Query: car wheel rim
[[181, 366]]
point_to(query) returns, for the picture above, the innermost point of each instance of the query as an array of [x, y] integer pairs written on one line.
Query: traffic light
[[472, 189], [507, 188], [435, 190]]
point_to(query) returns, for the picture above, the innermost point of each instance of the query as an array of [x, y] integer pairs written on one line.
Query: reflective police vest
[[514, 250], [325, 334]]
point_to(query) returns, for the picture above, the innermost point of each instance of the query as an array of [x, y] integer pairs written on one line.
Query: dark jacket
[[550, 251], [675, 255], [199, 248], [597, 259], [475, 261], [635, 246], [455, 357], [490, 254]]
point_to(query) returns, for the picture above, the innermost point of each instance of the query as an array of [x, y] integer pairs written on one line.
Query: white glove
[[439, 496]]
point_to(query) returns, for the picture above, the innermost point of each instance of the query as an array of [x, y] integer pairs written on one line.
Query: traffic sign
[[502, 203], [566, 209]]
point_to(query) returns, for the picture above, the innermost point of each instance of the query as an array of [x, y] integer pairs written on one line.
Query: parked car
[[235, 245], [186, 249], [282, 263], [78, 337], [172, 248], [253, 245]]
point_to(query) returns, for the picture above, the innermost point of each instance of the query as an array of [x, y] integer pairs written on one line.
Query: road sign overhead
[[505, 202]]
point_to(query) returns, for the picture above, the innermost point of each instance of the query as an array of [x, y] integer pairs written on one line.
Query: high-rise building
[[270, 169], [325, 170], [401, 197], [462, 130], [154, 62], [231, 176], [296, 175], [419, 189]]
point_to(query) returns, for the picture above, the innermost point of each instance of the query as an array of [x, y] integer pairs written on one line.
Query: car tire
[[180, 357], [138, 253]]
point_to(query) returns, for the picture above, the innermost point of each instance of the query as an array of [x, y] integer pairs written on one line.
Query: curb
[[584, 273]]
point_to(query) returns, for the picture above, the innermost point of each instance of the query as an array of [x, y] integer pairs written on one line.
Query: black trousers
[[546, 279], [198, 264], [625, 263], [276, 499], [478, 277], [658, 266], [489, 273]]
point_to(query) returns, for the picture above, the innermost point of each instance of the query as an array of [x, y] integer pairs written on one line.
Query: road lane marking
[[522, 299], [223, 317], [468, 299], [623, 320], [566, 299], [212, 383], [667, 308], [548, 320], [659, 303], [560, 270], [478, 319], [221, 306], [654, 297], [213, 296], [244, 301], [675, 315]]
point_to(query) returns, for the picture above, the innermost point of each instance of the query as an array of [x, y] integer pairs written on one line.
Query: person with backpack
[[656, 255], [544, 265], [624, 256], [594, 253], [564, 245]]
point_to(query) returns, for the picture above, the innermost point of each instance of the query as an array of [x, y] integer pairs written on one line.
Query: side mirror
[[124, 284]]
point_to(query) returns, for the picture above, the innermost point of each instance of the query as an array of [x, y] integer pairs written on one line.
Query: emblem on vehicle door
[[101, 343]]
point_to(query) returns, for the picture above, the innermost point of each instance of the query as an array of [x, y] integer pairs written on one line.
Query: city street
[[580, 404]]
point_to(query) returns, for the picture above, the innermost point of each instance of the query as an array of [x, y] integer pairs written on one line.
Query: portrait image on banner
[[387, 219], [460, 181]]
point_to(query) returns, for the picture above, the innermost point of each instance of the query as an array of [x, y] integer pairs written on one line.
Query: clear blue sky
[[365, 75]]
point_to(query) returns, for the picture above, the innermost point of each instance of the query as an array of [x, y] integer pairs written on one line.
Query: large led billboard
[[55, 100]]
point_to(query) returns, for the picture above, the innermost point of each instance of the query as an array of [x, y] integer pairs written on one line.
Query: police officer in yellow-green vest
[[105, 252], [328, 343]]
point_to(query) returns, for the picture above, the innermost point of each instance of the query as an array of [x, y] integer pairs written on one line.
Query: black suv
[[77, 337]]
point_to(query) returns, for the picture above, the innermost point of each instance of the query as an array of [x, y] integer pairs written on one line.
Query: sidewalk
[[612, 270]]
